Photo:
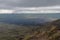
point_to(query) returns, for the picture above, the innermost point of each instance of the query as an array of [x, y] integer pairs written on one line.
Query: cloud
[[9, 4], [49, 9], [31, 6], [3, 11]]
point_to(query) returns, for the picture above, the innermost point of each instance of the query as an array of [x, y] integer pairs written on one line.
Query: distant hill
[[28, 19]]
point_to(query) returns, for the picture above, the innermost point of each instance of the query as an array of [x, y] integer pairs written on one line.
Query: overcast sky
[[13, 4], [27, 3]]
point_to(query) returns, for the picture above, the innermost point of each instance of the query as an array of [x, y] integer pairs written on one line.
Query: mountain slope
[[50, 31]]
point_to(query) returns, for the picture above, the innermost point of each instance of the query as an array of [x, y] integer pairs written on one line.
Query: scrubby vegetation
[[48, 31]]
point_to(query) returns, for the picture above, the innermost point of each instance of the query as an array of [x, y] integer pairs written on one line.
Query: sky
[[10, 6]]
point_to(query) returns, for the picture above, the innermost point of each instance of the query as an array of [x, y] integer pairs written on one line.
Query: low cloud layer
[[49, 9]]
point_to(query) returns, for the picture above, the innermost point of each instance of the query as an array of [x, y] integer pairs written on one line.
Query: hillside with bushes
[[47, 31]]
